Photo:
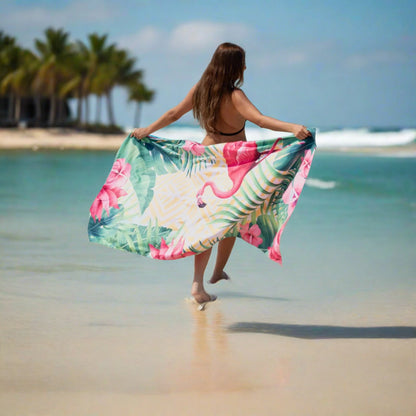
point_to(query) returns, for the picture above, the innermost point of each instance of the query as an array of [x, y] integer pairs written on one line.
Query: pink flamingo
[[240, 157]]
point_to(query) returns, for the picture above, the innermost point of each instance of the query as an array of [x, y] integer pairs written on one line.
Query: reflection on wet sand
[[213, 365]]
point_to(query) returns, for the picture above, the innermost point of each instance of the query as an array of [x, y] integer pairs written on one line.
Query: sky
[[322, 63]]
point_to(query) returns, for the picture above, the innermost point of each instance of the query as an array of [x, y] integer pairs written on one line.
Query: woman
[[222, 109]]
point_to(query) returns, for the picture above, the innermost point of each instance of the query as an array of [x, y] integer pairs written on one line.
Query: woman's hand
[[300, 132], [140, 133]]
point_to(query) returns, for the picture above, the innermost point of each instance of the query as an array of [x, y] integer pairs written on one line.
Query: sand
[[61, 362], [58, 138]]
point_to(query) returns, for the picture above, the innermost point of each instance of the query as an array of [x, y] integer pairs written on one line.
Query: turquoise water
[[350, 239]]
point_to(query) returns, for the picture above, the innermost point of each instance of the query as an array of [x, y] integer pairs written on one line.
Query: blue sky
[[321, 63]]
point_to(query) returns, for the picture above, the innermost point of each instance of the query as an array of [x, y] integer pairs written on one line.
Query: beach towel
[[168, 199]]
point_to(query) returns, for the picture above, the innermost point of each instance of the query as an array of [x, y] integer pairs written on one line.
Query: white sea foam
[[365, 137], [181, 133], [341, 138], [318, 183]]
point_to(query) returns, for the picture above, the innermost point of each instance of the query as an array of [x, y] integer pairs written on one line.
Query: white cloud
[[295, 57], [188, 38], [268, 58], [200, 36], [271, 55], [359, 61], [37, 17], [144, 40]]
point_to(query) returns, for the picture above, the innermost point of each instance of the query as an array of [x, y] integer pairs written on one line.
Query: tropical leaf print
[[254, 194], [143, 181], [197, 157], [181, 198], [268, 225], [95, 226], [133, 238], [257, 201], [161, 156], [205, 244]]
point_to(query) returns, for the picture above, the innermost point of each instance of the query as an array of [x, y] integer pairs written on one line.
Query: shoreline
[[68, 139], [57, 139]]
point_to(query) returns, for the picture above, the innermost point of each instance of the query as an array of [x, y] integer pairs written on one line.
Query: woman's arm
[[169, 117], [246, 108]]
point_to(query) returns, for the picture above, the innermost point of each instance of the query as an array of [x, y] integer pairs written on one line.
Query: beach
[[57, 138], [110, 367], [87, 330]]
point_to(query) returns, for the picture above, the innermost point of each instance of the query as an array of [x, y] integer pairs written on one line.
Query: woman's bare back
[[229, 121]]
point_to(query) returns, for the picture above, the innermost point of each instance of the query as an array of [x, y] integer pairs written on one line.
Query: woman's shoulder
[[237, 91], [237, 95]]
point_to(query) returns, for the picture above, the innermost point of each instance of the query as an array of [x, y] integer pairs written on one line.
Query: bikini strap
[[233, 134]]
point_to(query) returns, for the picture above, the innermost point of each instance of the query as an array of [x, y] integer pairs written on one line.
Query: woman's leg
[[198, 291], [224, 250]]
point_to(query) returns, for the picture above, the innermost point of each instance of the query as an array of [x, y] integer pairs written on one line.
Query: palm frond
[[193, 163], [261, 185]]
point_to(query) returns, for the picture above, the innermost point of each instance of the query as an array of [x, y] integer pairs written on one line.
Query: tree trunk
[[110, 109], [17, 108], [137, 115], [87, 110], [61, 110], [38, 109], [52, 103], [98, 110], [52, 110], [11, 107], [79, 106]]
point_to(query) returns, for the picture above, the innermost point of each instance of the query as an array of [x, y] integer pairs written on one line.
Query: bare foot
[[203, 297], [216, 278], [200, 295]]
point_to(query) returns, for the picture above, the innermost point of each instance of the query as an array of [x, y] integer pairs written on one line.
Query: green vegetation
[[59, 69]]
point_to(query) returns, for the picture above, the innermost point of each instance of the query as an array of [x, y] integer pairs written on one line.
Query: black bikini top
[[233, 134]]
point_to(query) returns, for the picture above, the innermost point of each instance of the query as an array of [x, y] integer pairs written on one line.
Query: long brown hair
[[223, 74]]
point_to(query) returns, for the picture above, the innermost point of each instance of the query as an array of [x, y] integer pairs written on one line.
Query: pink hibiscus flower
[[251, 234], [306, 164], [291, 195], [106, 198], [112, 189], [120, 173], [168, 252], [274, 250], [274, 254], [195, 148]]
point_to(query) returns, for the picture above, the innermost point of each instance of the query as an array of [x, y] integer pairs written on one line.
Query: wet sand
[[58, 359]]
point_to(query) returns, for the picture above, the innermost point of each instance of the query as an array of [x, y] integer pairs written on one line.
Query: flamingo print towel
[[168, 199]]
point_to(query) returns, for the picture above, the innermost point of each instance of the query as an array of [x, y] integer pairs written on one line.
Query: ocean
[[348, 259], [328, 138], [352, 233]]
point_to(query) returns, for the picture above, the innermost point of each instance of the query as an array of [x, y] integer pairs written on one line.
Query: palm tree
[[20, 77], [99, 54], [9, 53], [99, 86], [118, 71], [55, 54], [60, 70], [139, 93], [78, 70], [90, 73]]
